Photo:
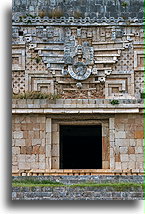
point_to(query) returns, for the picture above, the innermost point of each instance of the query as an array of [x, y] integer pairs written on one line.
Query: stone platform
[[80, 193]]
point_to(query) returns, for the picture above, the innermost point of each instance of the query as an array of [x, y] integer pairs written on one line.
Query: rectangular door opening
[[81, 147]]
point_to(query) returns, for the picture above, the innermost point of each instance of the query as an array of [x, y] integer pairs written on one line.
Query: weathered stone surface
[[91, 59]]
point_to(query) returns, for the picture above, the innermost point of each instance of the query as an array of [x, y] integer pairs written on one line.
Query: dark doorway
[[80, 147]]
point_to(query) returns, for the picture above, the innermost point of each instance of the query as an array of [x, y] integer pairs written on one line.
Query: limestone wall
[[29, 142], [36, 141], [126, 142]]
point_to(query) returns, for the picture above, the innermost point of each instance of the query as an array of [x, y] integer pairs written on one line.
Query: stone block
[[23, 127], [36, 142], [35, 149], [30, 134], [117, 165], [42, 126], [131, 164], [48, 163], [139, 165], [124, 157], [120, 134], [42, 158], [18, 134], [117, 158], [55, 127], [23, 149], [36, 135], [13, 142], [139, 150], [36, 127], [24, 166], [42, 150], [55, 163], [131, 150], [42, 134], [29, 150], [111, 123], [28, 142], [123, 150], [48, 138], [139, 142], [112, 135], [132, 157], [32, 158], [17, 127], [130, 134], [105, 165], [104, 132], [132, 142], [14, 168], [139, 134], [41, 119], [48, 125], [124, 165], [14, 158], [15, 150], [112, 144], [20, 142], [55, 137], [21, 158], [122, 142], [55, 150], [112, 163], [140, 157], [48, 150], [34, 165], [28, 158], [41, 165]]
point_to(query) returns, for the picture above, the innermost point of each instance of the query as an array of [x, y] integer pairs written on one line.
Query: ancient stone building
[[87, 56]]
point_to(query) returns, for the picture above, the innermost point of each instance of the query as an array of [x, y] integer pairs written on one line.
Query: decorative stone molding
[[18, 58]]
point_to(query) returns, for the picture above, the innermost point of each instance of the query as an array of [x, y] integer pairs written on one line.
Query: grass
[[47, 183], [35, 183], [116, 186]]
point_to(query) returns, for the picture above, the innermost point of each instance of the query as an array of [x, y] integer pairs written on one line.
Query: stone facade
[[90, 60], [36, 141], [79, 193]]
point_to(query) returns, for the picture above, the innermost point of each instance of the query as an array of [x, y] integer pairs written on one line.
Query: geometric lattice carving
[[125, 61], [18, 82], [139, 83]]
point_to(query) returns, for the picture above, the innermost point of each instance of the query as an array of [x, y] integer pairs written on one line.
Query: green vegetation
[[48, 183], [36, 95], [124, 4], [35, 183], [116, 186], [114, 102], [38, 59], [142, 95]]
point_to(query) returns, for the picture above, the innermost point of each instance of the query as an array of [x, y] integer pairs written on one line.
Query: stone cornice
[[61, 106], [71, 21]]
